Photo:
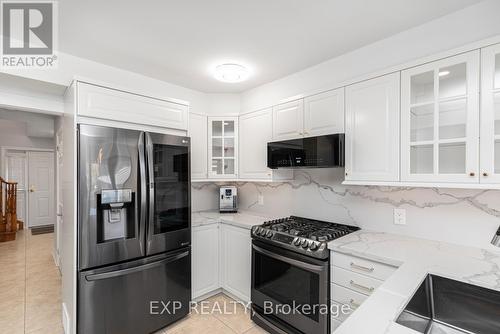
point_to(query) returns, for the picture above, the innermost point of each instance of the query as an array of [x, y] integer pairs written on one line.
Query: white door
[[199, 147], [17, 172], [372, 130], [236, 251], [256, 130], [41, 188], [288, 120], [324, 113], [205, 263], [440, 121], [490, 115]]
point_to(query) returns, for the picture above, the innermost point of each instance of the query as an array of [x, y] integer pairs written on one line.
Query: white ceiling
[[179, 41]]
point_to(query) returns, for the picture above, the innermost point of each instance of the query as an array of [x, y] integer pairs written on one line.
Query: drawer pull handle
[[362, 287], [357, 266], [354, 304]]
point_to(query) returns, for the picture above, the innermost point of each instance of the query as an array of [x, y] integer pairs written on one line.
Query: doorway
[[33, 169]]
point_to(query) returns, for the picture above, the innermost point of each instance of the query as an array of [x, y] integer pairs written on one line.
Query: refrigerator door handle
[[151, 187], [123, 272], [142, 190]]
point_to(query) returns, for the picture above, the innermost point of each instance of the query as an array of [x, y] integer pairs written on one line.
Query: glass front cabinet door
[[440, 121], [223, 147], [490, 114]]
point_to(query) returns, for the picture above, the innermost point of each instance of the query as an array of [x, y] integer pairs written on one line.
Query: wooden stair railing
[[8, 212]]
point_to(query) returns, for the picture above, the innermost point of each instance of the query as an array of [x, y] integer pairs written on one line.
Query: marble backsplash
[[466, 217]]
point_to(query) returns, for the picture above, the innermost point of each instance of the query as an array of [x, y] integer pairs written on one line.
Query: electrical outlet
[[400, 216], [261, 199]]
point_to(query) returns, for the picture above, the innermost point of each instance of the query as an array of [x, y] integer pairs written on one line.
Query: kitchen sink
[[445, 306]]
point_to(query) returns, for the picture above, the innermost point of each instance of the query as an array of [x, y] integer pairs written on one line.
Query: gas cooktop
[[302, 235]]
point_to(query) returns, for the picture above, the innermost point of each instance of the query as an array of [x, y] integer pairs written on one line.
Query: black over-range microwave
[[313, 152]]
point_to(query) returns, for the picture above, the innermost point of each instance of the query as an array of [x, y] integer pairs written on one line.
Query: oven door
[[283, 282]]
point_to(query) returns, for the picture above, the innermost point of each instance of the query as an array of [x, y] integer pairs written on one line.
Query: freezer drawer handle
[[127, 271]]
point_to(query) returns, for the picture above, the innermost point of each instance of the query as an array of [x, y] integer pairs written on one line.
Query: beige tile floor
[[30, 300], [235, 319], [30, 284]]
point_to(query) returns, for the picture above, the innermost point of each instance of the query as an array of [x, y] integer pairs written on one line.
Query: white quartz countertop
[[242, 219], [415, 258]]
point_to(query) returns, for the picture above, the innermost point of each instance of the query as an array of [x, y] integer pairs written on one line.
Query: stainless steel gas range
[[290, 274]]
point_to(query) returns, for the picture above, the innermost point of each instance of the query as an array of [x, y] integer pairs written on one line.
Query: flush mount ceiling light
[[231, 72], [444, 73]]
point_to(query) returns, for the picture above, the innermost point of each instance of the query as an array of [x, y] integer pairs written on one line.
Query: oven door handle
[[293, 262]]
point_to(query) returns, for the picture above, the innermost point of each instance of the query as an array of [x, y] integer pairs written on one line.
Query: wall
[[469, 25], [14, 133], [223, 104], [467, 217], [70, 67]]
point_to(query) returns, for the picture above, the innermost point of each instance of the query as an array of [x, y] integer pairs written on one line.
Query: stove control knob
[[263, 232], [297, 242], [256, 231], [305, 244], [269, 234], [313, 246]]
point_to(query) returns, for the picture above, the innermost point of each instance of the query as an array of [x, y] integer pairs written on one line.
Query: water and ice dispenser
[[115, 214]]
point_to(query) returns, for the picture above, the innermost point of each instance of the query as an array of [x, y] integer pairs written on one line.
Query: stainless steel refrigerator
[[134, 230]]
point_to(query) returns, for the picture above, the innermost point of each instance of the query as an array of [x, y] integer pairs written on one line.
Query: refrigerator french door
[[134, 194], [169, 193], [134, 221], [111, 195]]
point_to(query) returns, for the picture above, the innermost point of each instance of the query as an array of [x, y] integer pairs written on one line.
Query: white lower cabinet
[[236, 261], [205, 259], [353, 280], [221, 258]]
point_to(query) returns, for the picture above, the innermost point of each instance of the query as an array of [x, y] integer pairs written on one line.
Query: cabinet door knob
[[485, 174], [472, 174]]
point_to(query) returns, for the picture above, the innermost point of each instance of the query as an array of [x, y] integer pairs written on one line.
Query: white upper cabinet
[[223, 147], [490, 115], [440, 121], [372, 130], [256, 130], [324, 113], [198, 133], [110, 104], [288, 120]]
